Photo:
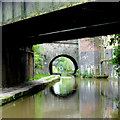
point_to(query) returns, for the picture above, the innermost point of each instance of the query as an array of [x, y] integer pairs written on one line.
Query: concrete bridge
[[84, 20]]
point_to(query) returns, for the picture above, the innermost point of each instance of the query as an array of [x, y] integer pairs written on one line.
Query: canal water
[[69, 98]]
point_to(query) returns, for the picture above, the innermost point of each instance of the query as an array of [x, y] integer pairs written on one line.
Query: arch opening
[[63, 65]]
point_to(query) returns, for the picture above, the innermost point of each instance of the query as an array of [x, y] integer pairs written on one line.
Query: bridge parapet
[[15, 11]]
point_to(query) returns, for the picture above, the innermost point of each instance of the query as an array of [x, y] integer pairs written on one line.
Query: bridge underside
[[85, 20]]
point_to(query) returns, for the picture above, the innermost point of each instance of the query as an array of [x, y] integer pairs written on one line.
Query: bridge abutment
[[17, 64]]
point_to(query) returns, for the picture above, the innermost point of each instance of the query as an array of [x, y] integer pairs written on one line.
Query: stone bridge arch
[[63, 55], [53, 50]]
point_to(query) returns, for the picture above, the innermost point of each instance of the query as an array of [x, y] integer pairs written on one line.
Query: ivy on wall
[[115, 41]]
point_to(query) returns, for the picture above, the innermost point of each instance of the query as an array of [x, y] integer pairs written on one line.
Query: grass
[[50, 77], [38, 77]]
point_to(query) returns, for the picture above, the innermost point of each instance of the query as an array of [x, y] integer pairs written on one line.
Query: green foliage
[[65, 63], [90, 75], [117, 102], [86, 75], [54, 69], [64, 73], [66, 86], [50, 77], [38, 77], [38, 58], [115, 39], [116, 59], [13, 97], [77, 73], [62, 65]]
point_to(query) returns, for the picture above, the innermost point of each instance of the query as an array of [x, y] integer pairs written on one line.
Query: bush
[[86, 75], [38, 57], [77, 72], [90, 75]]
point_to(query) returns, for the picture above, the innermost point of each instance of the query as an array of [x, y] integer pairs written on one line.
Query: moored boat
[[100, 76]]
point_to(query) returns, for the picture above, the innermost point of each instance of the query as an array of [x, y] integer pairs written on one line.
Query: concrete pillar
[[30, 64], [102, 57]]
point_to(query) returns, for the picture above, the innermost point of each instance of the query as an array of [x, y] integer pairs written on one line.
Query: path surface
[[12, 93]]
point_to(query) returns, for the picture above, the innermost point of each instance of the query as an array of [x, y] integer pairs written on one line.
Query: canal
[[69, 98]]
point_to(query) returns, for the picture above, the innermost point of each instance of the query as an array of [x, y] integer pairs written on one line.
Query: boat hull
[[100, 76]]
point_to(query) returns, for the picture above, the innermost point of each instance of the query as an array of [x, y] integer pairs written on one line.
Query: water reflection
[[90, 98], [66, 87], [87, 102]]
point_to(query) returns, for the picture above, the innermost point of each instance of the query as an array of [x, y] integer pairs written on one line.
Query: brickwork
[[94, 56]]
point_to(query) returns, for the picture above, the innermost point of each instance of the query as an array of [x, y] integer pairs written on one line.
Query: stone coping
[[12, 93]]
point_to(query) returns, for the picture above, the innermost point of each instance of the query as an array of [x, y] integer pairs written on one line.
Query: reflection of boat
[[100, 76]]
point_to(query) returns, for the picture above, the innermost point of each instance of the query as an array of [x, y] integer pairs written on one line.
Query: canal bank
[[12, 93]]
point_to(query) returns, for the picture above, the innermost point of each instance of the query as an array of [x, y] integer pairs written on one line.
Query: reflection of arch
[[63, 96], [67, 94], [63, 55]]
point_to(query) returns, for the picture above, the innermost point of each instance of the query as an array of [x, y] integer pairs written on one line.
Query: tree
[[38, 57], [65, 63], [116, 59]]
